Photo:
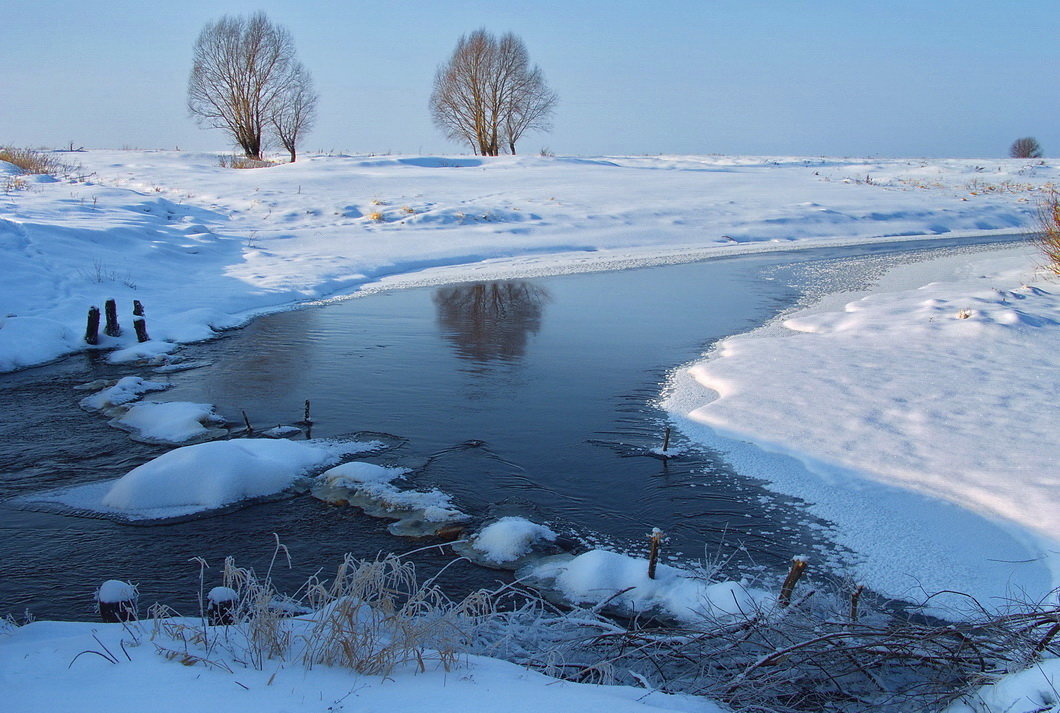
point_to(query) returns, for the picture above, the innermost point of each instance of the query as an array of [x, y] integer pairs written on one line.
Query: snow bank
[[1033, 690], [200, 478], [205, 248], [27, 341], [600, 576], [371, 488], [882, 411], [40, 667]]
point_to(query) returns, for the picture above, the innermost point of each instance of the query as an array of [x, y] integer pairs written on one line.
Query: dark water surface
[[529, 397]]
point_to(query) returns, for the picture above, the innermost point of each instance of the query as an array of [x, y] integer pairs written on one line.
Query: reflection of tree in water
[[489, 321]]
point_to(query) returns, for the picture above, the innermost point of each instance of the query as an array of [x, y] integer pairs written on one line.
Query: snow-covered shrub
[[30, 161], [1048, 235]]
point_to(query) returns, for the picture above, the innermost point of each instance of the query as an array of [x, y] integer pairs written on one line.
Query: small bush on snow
[[31, 161], [1048, 235]]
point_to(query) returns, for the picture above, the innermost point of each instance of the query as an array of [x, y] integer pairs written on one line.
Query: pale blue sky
[[842, 77]]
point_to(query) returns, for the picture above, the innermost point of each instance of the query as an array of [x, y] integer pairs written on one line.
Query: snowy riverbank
[[918, 418], [206, 248]]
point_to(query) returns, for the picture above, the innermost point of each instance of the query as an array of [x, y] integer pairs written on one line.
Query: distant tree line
[[246, 79]]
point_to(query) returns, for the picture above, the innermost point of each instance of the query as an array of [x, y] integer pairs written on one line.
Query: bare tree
[[488, 94], [295, 110], [241, 70], [1027, 147]]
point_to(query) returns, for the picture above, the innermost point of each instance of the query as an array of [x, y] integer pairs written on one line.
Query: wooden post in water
[[140, 322], [307, 420], [798, 566], [112, 329], [221, 606], [655, 538], [92, 327], [666, 440], [250, 429], [117, 601], [855, 597]]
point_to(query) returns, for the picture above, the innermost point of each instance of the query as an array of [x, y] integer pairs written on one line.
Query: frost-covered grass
[[374, 630]]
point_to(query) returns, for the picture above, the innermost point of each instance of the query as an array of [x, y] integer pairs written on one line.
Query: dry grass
[[234, 161], [372, 617], [375, 216], [36, 162], [1048, 235], [832, 648]]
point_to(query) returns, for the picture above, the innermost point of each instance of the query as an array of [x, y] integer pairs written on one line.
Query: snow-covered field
[[205, 247], [919, 419]]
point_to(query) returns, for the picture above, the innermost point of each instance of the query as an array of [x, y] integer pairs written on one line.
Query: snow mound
[[170, 422], [210, 475], [599, 576], [195, 479], [371, 488], [509, 539]]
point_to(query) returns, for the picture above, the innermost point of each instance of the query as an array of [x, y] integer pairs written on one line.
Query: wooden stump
[[117, 601], [112, 329], [140, 325], [92, 327]]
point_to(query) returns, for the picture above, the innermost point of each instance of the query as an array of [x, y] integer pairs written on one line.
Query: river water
[[530, 397]]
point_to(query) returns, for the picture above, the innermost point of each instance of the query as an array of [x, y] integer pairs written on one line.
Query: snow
[[206, 248], [168, 422], [509, 538], [919, 421], [1032, 690], [40, 667], [113, 591], [203, 477], [376, 484], [601, 576], [126, 390], [222, 594]]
